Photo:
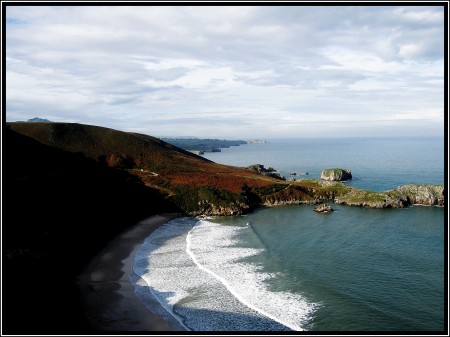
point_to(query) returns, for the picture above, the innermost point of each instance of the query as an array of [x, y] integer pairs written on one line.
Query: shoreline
[[107, 293]]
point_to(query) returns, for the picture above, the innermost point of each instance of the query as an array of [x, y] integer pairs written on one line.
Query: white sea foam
[[195, 271], [212, 247]]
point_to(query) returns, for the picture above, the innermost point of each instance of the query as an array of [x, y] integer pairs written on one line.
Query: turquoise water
[[371, 270], [288, 268]]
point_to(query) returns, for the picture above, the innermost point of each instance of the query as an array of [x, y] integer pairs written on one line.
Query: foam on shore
[[199, 275]]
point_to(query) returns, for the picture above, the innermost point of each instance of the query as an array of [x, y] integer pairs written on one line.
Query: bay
[[287, 267]]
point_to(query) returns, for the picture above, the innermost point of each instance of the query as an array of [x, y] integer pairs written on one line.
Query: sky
[[233, 72]]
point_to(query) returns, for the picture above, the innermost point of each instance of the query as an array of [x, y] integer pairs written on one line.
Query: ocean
[[288, 268]]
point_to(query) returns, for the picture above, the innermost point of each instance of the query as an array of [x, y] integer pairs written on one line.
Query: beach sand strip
[[107, 293]]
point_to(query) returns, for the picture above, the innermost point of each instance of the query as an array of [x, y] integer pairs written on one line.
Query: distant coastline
[[199, 146]]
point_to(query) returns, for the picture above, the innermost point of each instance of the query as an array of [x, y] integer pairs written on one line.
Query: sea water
[[288, 268]]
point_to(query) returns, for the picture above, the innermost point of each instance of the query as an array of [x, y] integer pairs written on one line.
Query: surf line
[[165, 306], [230, 288]]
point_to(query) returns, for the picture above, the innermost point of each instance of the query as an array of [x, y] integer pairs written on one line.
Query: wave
[[213, 249], [198, 274]]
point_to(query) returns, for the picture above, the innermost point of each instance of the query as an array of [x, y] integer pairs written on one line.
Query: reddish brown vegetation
[[156, 163]]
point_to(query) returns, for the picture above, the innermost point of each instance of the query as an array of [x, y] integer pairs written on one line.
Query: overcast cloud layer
[[230, 72]]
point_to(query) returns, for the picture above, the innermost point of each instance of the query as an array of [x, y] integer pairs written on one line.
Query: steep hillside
[[58, 210], [180, 175], [115, 148]]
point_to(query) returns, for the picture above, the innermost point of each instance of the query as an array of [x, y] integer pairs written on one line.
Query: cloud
[[228, 70]]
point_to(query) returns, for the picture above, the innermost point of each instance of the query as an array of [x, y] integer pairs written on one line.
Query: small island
[[336, 174]]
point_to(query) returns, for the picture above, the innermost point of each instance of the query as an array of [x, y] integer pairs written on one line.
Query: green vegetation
[[363, 197], [208, 200], [328, 172]]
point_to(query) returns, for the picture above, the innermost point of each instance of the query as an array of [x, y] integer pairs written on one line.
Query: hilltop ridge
[[197, 185]]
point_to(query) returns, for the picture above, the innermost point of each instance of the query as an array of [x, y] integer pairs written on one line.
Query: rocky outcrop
[[270, 171], [336, 174], [403, 196], [420, 194], [197, 152], [323, 208], [209, 209]]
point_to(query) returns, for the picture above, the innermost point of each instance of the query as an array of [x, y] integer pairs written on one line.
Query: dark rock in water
[[323, 208], [270, 171], [336, 174]]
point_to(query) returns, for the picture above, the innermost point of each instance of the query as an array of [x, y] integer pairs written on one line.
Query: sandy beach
[[107, 293]]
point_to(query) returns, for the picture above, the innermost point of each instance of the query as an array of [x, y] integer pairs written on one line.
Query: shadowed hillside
[[59, 210], [195, 184], [69, 189], [115, 148]]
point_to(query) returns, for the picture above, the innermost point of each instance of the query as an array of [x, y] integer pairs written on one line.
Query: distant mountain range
[[38, 120]]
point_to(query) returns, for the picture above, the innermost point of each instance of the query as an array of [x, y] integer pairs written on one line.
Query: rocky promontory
[[318, 191], [403, 196], [336, 174]]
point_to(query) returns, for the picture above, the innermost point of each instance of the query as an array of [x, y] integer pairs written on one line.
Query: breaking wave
[[197, 270]]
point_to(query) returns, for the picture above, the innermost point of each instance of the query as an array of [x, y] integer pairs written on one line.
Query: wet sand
[[107, 293]]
